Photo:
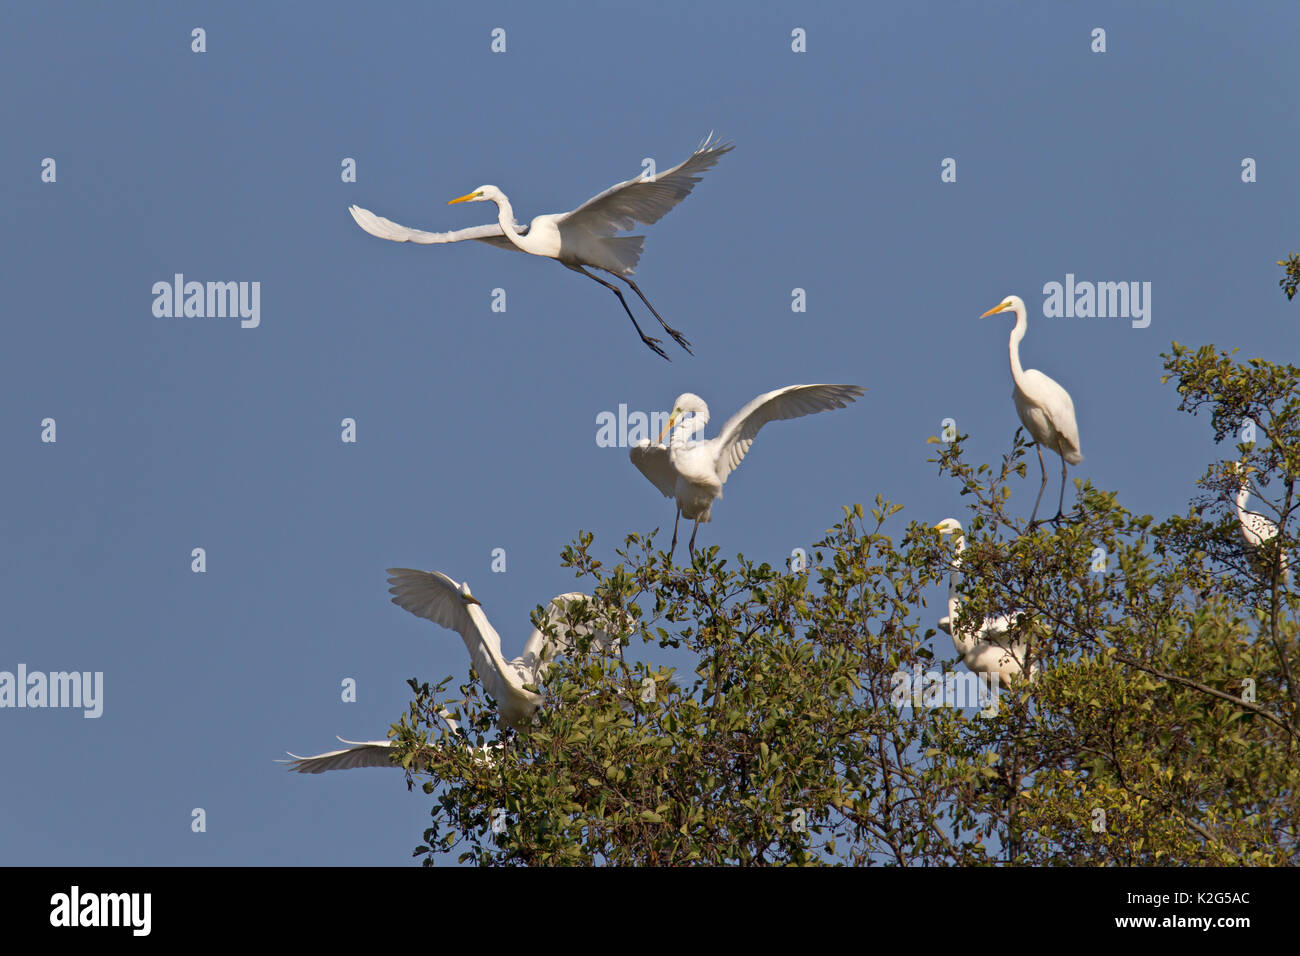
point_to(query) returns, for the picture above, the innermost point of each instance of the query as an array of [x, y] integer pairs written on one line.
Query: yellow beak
[[667, 429], [993, 311], [465, 198], [470, 599]]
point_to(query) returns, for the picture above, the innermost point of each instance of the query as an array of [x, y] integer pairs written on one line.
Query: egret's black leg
[[697, 528], [653, 343], [674, 544], [677, 336], [1042, 487], [1060, 507]]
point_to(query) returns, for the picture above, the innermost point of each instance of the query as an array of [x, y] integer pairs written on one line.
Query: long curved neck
[[1243, 495], [506, 219], [1013, 346], [962, 643], [954, 577]]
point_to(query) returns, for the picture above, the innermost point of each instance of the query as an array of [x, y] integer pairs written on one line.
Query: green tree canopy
[[1162, 728], [1291, 280]]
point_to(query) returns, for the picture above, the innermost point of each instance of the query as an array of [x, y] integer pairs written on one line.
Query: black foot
[[679, 339], [654, 347]]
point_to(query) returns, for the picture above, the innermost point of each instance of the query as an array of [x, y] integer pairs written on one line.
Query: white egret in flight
[[1255, 527], [432, 595], [987, 647], [581, 238], [694, 471], [1045, 408]]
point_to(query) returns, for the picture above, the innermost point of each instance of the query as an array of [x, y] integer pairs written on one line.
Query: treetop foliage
[[811, 720]]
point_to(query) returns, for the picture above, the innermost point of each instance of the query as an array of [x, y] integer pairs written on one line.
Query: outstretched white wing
[[362, 753], [622, 206], [434, 596], [653, 462], [793, 401], [387, 229]]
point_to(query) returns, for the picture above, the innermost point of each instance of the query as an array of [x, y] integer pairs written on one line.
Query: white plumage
[[362, 753], [694, 472], [436, 597], [1045, 408], [986, 648], [1255, 527], [583, 237]]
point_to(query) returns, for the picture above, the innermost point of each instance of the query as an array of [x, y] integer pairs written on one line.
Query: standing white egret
[[694, 471], [986, 648], [1045, 408], [432, 595], [1255, 527], [583, 237]]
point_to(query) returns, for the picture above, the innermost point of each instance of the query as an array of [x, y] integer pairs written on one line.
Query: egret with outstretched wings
[[694, 472], [581, 239], [436, 597]]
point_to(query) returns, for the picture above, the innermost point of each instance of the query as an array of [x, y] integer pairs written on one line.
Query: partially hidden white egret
[[694, 472], [433, 595], [1045, 408], [584, 237], [987, 647], [1256, 528]]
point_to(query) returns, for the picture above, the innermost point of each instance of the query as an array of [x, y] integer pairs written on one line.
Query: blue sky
[[476, 429]]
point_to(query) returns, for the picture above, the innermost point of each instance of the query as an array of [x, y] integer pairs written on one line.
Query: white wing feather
[[622, 206], [793, 401], [653, 462], [396, 232], [435, 597], [362, 753], [1043, 395], [367, 753]]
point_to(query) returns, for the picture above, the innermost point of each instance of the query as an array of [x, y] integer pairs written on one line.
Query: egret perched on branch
[[438, 598], [694, 471], [581, 238], [986, 647], [1256, 529], [1045, 408]]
